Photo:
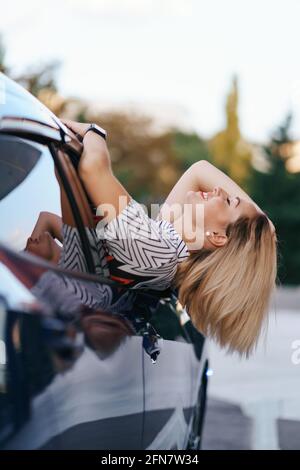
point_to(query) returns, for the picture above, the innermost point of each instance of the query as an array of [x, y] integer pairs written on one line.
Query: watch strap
[[98, 130]]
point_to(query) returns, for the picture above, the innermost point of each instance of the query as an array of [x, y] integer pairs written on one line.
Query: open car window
[[35, 212], [44, 209], [28, 189], [17, 160]]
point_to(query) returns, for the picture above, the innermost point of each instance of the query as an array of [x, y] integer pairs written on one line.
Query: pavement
[[255, 403]]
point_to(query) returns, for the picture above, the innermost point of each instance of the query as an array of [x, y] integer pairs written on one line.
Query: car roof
[[17, 102]]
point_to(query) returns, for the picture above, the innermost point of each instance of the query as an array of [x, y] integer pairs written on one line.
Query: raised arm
[[209, 176], [48, 222], [203, 176], [95, 171]]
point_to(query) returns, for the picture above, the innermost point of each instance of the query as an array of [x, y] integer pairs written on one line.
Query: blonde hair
[[227, 292]]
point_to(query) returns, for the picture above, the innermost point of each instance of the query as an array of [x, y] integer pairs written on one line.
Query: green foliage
[[143, 161], [189, 148], [230, 152], [39, 77], [149, 164], [277, 191], [3, 66]]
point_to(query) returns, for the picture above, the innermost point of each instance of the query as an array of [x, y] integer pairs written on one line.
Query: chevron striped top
[[140, 251], [132, 249]]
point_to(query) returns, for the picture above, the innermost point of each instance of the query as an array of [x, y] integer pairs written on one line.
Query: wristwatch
[[99, 130]]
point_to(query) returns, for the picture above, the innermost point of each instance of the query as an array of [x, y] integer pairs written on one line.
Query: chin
[[192, 197]]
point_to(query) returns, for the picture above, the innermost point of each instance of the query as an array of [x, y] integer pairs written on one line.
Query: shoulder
[[167, 229]]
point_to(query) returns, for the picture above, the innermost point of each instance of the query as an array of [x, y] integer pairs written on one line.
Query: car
[[85, 361]]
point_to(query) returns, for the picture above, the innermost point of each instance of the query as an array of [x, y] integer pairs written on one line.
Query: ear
[[218, 239]]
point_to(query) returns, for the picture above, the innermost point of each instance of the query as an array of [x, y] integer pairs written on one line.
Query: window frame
[[78, 201], [74, 194]]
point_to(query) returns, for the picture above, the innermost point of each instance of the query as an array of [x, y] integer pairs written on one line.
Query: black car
[[85, 361]]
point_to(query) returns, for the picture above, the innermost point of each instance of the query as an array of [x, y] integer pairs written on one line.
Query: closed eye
[[228, 200]]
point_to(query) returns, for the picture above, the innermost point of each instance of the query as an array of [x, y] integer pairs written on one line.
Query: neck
[[194, 239], [56, 252]]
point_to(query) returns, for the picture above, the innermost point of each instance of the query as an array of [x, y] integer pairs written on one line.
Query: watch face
[[99, 129]]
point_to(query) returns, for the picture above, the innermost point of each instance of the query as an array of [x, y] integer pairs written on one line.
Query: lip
[[202, 196], [32, 241]]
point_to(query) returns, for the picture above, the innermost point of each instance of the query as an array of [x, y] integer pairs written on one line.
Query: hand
[[79, 128], [92, 142], [273, 230], [95, 156], [47, 222], [272, 226], [41, 226]]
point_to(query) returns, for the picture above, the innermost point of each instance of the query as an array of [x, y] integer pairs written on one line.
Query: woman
[[210, 241], [42, 242]]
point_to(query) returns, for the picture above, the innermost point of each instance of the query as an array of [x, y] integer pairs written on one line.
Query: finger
[[76, 127], [71, 124], [67, 122]]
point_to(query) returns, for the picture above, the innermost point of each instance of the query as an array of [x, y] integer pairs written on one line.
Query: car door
[[65, 385], [173, 383], [77, 373]]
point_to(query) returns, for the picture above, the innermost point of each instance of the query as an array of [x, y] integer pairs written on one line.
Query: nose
[[217, 191], [220, 191]]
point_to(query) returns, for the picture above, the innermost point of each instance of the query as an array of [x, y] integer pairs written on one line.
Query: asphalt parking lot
[[255, 403], [228, 428]]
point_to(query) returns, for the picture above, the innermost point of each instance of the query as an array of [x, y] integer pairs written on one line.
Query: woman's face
[[43, 246], [215, 210], [104, 331]]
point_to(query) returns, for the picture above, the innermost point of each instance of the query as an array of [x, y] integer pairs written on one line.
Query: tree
[[144, 162], [189, 148], [39, 77], [40, 80], [277, 191], [3, 66], [230, 152]]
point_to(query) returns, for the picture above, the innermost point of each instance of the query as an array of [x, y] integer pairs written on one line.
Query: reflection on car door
[[72, 375], [172, 384]]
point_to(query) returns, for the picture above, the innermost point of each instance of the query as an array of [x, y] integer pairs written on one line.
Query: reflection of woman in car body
[[76, 300], [42, 240], [224, 267]]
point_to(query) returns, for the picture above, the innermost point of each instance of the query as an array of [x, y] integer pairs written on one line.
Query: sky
[[171, 57]]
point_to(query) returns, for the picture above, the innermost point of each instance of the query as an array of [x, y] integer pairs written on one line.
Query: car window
[[34, 210], [16, 162], [28, 188]]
